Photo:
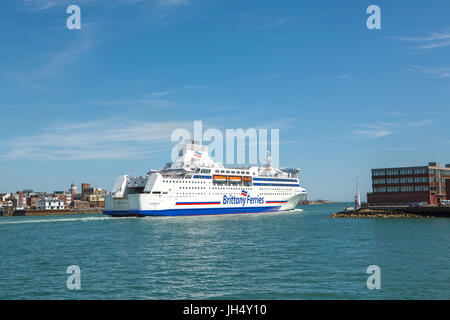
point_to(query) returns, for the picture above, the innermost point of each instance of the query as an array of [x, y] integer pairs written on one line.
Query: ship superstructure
[[196, 185]]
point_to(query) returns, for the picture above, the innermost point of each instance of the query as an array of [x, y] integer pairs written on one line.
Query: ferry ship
[[194, 184]]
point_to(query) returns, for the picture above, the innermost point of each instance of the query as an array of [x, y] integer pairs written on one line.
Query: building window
[[379, 173]]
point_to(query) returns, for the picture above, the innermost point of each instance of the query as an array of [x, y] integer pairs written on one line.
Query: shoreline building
[[406, 185], [73, 188], [447, 188], [93, 196], [50, 203]]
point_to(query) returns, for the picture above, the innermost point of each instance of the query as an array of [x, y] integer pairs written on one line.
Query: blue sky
[[94, 103]]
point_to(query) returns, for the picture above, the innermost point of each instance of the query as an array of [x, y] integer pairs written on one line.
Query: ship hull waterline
[[192, 212]]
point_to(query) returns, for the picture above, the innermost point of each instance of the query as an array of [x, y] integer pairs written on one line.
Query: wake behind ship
[[196, 185]]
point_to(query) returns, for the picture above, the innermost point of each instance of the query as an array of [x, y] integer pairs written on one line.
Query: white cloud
[[383, 129], [276, 23], [103, 139], [172, 91], [172, 2], [396, 113], [130, 103], [420, 123], [52, 63], [374, 132], [393, 149], [434, 40], [435, 45], [436, 36], [153, 100], [439, 72], [48, 4]]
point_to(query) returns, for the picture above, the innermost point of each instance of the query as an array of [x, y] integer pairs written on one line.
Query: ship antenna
[[269, 159]]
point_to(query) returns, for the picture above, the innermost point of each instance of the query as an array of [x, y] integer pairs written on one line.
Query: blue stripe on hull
[[191, 212]]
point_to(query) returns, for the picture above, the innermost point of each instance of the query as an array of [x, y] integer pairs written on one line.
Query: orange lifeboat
[[234, 179], [220, 178]]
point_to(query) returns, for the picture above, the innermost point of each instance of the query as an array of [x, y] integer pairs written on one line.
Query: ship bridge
[[191, 156]]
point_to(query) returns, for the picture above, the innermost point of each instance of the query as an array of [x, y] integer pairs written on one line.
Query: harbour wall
[[17, 213], [396, 212]]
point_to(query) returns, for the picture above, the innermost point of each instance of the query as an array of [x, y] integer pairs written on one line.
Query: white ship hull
[[191, 186], [149, 205]]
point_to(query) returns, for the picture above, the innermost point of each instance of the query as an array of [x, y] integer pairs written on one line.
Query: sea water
[[301, 254]]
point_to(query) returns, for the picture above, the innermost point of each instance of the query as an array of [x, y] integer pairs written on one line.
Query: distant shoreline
[[305, 203], [30, 213]]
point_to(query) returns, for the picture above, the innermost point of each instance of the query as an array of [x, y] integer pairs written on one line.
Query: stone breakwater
[[406, 212]]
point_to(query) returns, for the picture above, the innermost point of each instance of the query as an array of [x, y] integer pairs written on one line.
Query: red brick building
[[32, 201], [447, 187], [406, 185]]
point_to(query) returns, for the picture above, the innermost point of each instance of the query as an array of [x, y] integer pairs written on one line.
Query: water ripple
[[302, 254]]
